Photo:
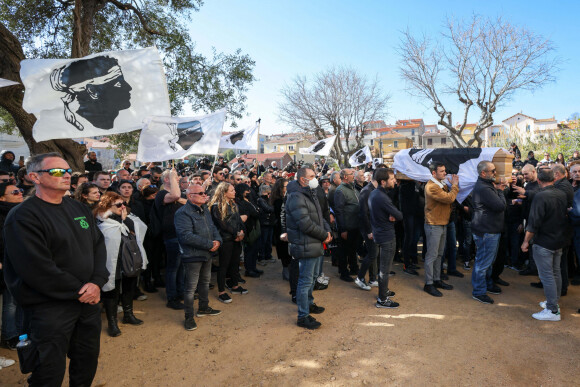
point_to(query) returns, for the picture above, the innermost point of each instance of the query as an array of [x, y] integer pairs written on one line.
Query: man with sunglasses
[[55, 266], [5, 177], [218, 177], [489, 205]]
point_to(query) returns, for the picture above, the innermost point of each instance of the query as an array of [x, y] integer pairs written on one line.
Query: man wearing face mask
[[307, 231]]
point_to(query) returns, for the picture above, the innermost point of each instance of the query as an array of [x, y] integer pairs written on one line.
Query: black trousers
[[59, 329], [347, 252]]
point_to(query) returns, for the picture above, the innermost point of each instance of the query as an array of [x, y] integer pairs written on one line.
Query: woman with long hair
[[226, 217], [119, 227], [250, 215], [88, 193], [277, 200], [560, 159]]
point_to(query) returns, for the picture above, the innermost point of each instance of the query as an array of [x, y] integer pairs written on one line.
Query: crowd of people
[[110, 237]]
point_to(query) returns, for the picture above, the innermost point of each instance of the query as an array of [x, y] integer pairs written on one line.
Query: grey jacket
[[346, 207], [305, 223], [195, 233]]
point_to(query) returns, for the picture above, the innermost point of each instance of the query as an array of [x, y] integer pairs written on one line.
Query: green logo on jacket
[[83, 222]]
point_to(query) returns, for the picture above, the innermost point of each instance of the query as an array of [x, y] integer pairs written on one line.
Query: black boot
[[128, 316], [110, 305]]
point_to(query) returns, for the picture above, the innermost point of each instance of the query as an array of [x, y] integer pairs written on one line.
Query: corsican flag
[[245, 139], [361, 156], [321, 148], [7, 82], [100, 94], [414, 163], [169, 138], [377, 162]]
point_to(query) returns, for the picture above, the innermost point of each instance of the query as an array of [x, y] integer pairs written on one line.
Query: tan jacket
[[438, 203]]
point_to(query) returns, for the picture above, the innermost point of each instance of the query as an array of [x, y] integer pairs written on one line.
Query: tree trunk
[[11, 54]]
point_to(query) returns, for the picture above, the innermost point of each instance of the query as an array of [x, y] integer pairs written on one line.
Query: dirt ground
[[452, 340]]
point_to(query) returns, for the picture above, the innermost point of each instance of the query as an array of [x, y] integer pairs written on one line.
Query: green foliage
[[45, 30], [565, 141], [7, 124], [126, 143], [229, 155]]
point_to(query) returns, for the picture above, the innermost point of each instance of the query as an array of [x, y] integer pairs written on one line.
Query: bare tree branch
[[136, 11], [488, 61]]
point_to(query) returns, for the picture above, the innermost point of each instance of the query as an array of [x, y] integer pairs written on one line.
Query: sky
[[287, 39]]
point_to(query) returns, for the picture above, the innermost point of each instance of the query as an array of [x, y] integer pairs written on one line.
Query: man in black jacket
[[548, 213], [307, 231], [369, 262], [527, 195], [55, 266], [346, 210], [92, 165], [488, 222], [198, 239], [412, 201]]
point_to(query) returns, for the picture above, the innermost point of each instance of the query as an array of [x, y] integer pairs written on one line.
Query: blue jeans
[[173, 270], [548, 263], [487, 246], [10, 326], [266, 242], [450, 248], [306, 279], [197, 276], [318, 271]]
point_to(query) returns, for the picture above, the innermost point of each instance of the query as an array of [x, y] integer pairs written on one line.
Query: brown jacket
[[438, 203]]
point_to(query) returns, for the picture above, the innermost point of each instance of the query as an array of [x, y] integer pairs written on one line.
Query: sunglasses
[[17, 192], [198, 193], [119, 205], [56, 172], [5, 180]]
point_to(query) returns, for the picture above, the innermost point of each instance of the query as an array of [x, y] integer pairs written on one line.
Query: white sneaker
[[361, 284], [321, 280], [325, 277], [546, 315], [543, 305], [373, 284], [5, 362]]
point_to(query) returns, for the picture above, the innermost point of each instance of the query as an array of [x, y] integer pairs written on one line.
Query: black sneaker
[[444, 276], [315, 309], [319, 286], [430, 289], [499, 281], [442, 285], [10, 343], [414, 266], [308, 322], [484, 298], [410, 271], [239, 290], [389, 304], [175, 304], [494, 289], [294, 299], [208, 312], [225, 298], [528, 271], [392, 273], [190, 324], [346, 278], [537, 285], [455, 273]]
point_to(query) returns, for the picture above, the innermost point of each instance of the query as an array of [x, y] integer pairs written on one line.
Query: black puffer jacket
[[305, 223], [267, 216]]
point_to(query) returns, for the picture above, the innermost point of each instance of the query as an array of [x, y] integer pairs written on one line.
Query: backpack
[[131, 258]]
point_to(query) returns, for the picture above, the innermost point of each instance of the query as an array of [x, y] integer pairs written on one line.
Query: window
[[466, 131], [372, 142], [275, 148], [528, 128], [290, 147], [412, 132], [396, 144], [443, 141], [429, 141]]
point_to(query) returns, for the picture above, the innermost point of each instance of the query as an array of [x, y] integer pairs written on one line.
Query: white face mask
[[313, 184]]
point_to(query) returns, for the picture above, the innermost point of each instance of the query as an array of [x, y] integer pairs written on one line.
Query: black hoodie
[[8, 165]]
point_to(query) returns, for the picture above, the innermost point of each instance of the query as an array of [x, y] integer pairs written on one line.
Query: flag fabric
[[245, 139], [414, 163], [377, 162], [361, 156], [7, 82], [321, 148], [97, 95], [169, 138]]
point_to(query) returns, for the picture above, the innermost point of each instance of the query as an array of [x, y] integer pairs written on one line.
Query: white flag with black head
[[97, 95], [361, 156], [414, 163], [245, 139], [377, 162], [320, 148], [169, 138]]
